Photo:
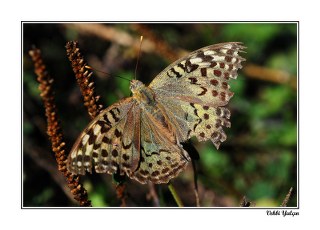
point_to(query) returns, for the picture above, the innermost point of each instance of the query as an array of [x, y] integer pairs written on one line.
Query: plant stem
[[175, 195]]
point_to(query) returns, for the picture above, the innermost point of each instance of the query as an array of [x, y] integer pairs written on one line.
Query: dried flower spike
[[83, 74], [53, 128]]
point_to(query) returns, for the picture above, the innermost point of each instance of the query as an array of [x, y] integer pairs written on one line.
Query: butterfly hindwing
[[162, 157]]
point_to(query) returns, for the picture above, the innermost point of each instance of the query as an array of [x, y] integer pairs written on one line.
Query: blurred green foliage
[[259, 158]]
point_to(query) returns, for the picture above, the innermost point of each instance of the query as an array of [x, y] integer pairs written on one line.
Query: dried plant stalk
[[287, 198], [151, 42], [175, 195], [54, 130], [271, 75], [111, 33], [152, 195], [121, 194], [161, 46], [83, 76], [245, 203]]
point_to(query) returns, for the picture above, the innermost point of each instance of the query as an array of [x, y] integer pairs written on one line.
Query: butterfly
[[141, 136]]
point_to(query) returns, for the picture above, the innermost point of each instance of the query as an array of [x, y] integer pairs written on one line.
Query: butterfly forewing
[[102, 146], [223, 56]]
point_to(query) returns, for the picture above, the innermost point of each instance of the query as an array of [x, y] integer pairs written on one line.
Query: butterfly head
[[136, 86], [142, 93]]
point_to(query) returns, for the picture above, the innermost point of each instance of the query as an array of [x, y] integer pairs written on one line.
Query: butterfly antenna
[[110, 75], [135, 72]]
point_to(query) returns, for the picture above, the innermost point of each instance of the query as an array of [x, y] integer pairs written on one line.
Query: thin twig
[[286, 199], [245, 203], [195, 180], [121, 194], [175, 195], [161, 46], [40, 157], [153, 195], [272, 75], [194, 155], [151, 42], [111, 33], [54, 130]]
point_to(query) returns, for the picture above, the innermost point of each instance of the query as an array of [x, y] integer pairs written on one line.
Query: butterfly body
[[141, 136]]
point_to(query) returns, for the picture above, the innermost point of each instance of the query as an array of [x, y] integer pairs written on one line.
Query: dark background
[[259, 158]]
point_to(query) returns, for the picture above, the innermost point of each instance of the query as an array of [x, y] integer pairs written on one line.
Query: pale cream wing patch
[[107, 144]]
